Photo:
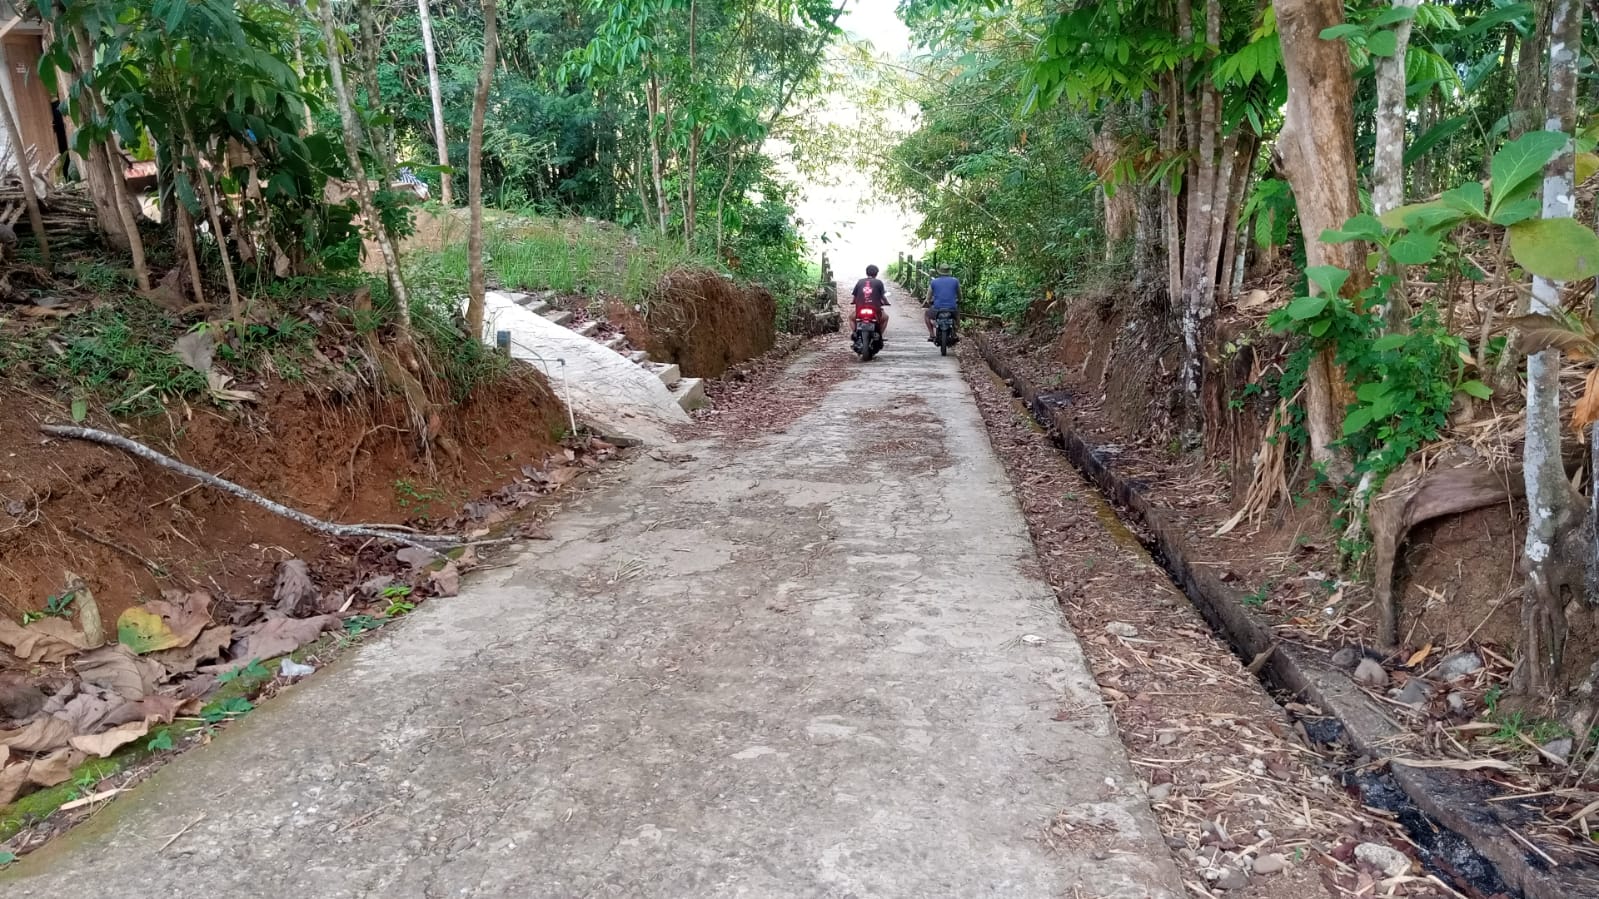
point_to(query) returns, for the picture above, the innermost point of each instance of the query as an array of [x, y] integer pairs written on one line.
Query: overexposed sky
[[862, 226]]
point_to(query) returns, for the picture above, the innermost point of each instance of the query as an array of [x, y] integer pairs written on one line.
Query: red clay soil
[[701, 321], [130, 528]]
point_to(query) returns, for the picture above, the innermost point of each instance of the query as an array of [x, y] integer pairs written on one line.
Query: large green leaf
[[1519, 162], [1306, 307], [1559, 249], [1383, 43], [1415, 248], [1330, 278], [144, 631]]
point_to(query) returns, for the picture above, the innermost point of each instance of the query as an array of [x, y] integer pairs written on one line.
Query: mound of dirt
[[131, 529], [702, 322]]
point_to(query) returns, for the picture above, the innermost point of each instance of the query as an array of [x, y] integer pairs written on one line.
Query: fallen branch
[[427, 542]]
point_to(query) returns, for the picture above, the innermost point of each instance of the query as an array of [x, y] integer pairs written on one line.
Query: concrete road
[[822, 664]]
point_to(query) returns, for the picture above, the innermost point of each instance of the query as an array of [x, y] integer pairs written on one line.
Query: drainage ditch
[[1462, 837]]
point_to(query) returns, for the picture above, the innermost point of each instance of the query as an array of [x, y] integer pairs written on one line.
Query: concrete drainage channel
[[1464, 838]]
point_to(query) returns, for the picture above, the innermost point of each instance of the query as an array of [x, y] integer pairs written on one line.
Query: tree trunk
[[1388, 166], [208, 202], [657, 176], [474, 174], [130, 224], [439, 136], [382, 137], [20, 151], [1550, 503], [191, 256], [97, 167], [1208, 186], [1317, 143], [363, 190]]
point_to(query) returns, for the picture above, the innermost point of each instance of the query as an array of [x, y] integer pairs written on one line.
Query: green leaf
[[1560, 249], [1399, 216], [1468, 198], [7, 858], [1519, 211], [1383, 43], [160, 742], [1372, 392], [1434, 136], [80, 409], [1394, 16], [1357, 421], [1477, 389], [1415, 248], [1520, 161], [1320, 327], [1389, 342], [1360, 227], [1586, 164], [1330, 278], [1340, 31], [1307, 307]]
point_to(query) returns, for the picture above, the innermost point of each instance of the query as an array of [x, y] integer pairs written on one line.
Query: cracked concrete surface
[[821, 664]]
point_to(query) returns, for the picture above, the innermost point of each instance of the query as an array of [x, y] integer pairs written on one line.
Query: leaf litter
[[68, 695], [1246, 807]]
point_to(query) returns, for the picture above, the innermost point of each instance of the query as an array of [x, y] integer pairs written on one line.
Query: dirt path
[[818, 663]]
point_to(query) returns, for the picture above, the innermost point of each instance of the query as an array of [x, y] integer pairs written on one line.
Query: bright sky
[[862, 228]]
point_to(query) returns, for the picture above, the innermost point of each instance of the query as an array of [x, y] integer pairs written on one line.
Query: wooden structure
[[35, 111]]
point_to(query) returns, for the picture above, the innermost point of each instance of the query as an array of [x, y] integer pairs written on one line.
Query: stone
[[1386, 859], [1346, 658], [1558, 749], [1232, 879], [19, 699], [1371, 674], [1121, 629], [1160, 793], [1271, 863], [1459, 665], [1166, 738], [1457, 702], [1414, 693]]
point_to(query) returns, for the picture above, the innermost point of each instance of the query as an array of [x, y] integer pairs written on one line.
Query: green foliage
[[58, 605], [226, 710], [254, 671], [161, 742]]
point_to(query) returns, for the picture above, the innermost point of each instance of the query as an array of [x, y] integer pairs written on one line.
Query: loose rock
[[1457, 702], [1390, 861], [1232, 879], [1271, 863], [1558, 749], [1370, 673], [1121, 629], [1160, 793], [1415, 693], [1459, 665]]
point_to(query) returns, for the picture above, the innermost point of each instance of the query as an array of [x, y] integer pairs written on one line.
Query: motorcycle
[[867, 339], [944, 330]]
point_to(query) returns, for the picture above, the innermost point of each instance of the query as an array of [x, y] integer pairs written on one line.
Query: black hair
[[871, 271]]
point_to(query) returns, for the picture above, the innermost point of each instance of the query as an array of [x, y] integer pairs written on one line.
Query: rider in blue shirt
[[946, 293]]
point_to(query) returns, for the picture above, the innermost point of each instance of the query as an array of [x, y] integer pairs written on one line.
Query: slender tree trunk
[[691, 176], [653, 97], [382, 137], [97, 166], [30, 198], [1388, 167], [474, 173], [1207, 191], [130, 224], [363, 190], [1317, 144], [191, 256], [435, 92], [208, 201], [299, 62], [1169, 136], [1550, 503]]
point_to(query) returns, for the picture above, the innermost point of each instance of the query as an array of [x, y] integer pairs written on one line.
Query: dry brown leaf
[[186, 614], [50, 641], [119, 670], [87, 711], [205, 647], [1586, 411], [55, 768], [1419, 657], [157, 707], [294, 590], [276, 635], [104, 744], [39, 735]]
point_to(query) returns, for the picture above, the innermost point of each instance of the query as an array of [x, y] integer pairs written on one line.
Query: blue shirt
[[946, 292]]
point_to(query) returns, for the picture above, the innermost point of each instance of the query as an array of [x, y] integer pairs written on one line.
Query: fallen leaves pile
[[1247, 808], [69, 692]]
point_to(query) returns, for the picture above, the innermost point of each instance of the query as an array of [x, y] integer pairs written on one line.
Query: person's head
[[871, 271], [943, 271]]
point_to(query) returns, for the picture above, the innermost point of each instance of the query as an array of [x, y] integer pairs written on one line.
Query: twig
[[337, 530], [186, 828], [1529, 844], [155, 569]]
